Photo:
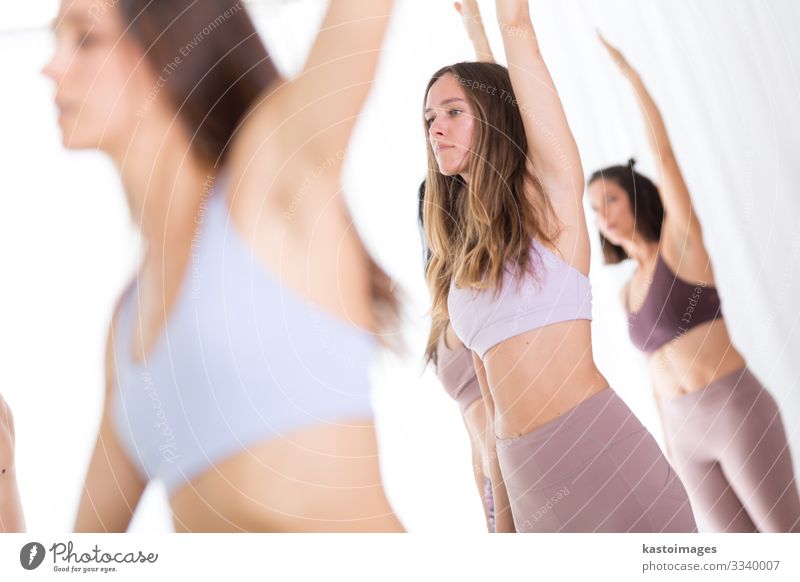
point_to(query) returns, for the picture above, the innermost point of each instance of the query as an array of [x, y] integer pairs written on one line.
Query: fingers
[[614, 52], [457, 6], [606, 44]]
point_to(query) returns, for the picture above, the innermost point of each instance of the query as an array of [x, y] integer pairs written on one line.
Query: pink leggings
[[595, 468], [730, 450]]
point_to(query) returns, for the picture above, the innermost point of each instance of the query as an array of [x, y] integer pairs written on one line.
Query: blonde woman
[[509, 270]]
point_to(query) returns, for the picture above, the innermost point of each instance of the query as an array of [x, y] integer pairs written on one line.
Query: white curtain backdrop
[[726, 74]]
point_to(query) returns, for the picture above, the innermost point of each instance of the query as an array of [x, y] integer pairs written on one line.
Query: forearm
[[551, 144], [483, 52], [512, 13], [656, 129], [480, 478], [503, 518]]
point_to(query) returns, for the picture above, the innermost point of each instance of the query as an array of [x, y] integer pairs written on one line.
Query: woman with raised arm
[[723, 429], [509, 270], [12, 519], [237, 361]]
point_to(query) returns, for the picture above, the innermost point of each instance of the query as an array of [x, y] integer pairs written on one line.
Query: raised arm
[[12, 519], [680, 221], [473, 24], [551, 145], [307, 121], [112, 487], [503, 519]]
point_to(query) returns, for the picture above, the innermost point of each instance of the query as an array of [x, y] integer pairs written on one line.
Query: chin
[[451, 170], [75, 144]]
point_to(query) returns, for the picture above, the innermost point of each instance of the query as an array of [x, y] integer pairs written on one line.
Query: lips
[[442, 148]]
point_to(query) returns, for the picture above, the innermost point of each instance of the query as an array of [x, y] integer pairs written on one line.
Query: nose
[[437, 128], [55, 67]]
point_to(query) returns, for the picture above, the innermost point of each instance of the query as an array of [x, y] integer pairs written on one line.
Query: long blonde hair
[[473, 229]]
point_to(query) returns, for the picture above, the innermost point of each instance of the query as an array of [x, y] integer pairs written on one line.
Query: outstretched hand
[[471, 15], [473, 23]]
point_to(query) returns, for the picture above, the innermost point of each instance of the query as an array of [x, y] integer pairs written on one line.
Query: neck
[[640, 250], [164, 185]]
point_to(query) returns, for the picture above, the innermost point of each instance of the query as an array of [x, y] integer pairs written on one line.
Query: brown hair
[[213, 60], [474, 229], [217, 67], [645, 201]]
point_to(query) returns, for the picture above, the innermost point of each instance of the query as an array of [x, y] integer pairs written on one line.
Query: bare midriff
[[694, 360], [321, 479], [537, 376]]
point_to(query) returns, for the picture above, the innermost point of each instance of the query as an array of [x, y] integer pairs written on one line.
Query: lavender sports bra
[[671, 308], [457, 374], [242, 359], [558, 293]]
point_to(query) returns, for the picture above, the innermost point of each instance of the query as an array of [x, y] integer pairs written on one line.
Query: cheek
[[622, 212], [125, 86], [464, 132]]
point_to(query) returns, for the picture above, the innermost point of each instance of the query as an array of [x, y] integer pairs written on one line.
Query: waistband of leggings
[[581, 418], [715, 393]]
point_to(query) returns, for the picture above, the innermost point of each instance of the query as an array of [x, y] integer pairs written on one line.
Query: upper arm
[[680, 221], [341, 67], [551, 145], [308, 121], [113, 486]]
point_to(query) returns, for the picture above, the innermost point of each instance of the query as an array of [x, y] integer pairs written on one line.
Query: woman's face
[[102, 85], [451, 122], [612, 209]]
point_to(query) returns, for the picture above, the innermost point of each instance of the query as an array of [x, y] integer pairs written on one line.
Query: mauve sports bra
[[671, 308], [457, 374], [558, 293]]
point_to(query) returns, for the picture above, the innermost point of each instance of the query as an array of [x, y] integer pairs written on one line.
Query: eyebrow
[[70, 18], [446, 102]]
